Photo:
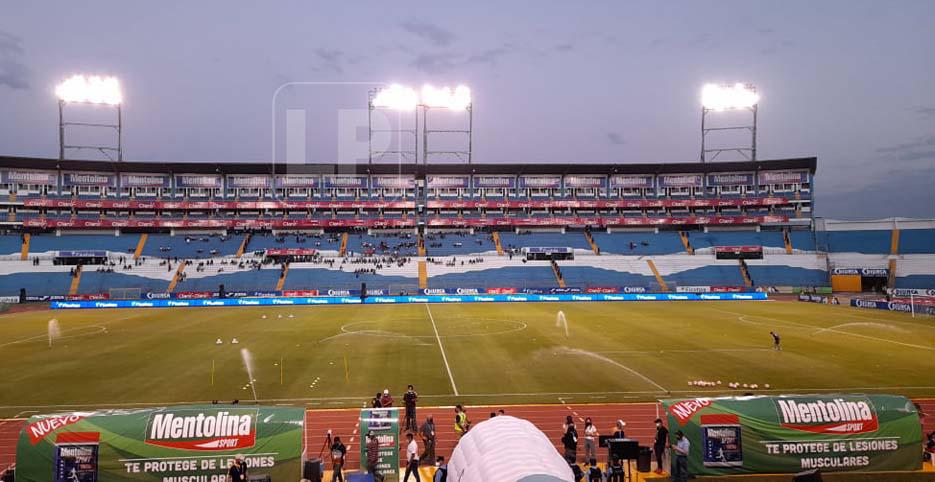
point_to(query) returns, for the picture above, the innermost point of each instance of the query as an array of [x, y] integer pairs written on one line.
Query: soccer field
[[334, 356]]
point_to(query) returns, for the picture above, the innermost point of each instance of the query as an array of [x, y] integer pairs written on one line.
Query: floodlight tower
[[92, 90], [405, 99], [400, 99], [717, 98], [456, 100]]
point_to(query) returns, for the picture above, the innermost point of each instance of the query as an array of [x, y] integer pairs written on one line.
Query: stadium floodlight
[[727, 97], [396, 97], [90, 89], [97, 90], [444, 97], [717, 98]]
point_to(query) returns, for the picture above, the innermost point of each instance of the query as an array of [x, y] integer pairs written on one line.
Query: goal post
[[125, 293]]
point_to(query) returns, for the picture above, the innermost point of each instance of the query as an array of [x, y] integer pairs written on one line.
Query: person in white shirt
[[412, 456], [681, 448], [590, 440]]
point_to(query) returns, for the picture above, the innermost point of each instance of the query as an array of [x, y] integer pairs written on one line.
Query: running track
[[549, 419]]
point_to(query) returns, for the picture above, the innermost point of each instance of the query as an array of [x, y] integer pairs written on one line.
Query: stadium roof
[[15, 162]]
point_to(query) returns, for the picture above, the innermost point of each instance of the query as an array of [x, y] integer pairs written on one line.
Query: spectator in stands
[[570, 439], [441, 470], [237, 472], [338, 451], [576, 472], [659, 444], [681, 449], [462, 424], [428, 438], [412, 458], [373, 457], [590, 439], [409, 399], [386, 401], [615, 470]]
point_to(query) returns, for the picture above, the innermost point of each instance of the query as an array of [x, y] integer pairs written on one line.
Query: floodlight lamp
[[396, 97], [90, 89], [727, 97], [444, 97]]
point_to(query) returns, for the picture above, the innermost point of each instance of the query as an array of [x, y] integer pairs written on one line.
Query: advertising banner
[[494, 182], [868, 272], [247, 181], [198, 180], [354, 181], [145, 180], [191, 443], [907, 292], [296, 181], [89, 179], [594, 182], [540, 182], [904, 307], [634, 181], [447, 182], [730, 179], [782, 177], [788, 434], [40, 178], [680, 180], [394, 182], [384, 424], [352, 297]]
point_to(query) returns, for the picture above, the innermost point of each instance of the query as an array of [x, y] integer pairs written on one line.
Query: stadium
[[189, 321]]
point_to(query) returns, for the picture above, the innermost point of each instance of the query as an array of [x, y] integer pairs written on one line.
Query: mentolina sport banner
[[193, 443], [787, 434]]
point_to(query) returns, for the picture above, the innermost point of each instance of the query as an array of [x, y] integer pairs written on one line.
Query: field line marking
[[442, 348], [832, 330], [565, 395]]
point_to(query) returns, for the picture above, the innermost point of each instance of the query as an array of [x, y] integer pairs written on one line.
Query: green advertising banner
[[786, 434], [192, 443], [384, 423]]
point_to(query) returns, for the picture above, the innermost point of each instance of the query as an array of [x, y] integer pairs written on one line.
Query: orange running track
[[549, 419]]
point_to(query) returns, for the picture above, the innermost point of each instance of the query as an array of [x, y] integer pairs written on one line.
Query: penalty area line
[[442, 348]]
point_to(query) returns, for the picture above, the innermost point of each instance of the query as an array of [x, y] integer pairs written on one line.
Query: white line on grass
[[742, 317], [442, 348], [566, 395]]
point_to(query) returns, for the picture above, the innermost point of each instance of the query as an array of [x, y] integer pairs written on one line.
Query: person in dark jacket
[[409, 399], [338, 451], [570, 439], [659, 444]]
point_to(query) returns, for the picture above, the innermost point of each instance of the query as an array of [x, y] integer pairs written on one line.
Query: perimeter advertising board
[[192, 443], [788, 434]]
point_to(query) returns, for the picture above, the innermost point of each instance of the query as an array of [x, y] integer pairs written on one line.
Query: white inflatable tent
[[507, 449]]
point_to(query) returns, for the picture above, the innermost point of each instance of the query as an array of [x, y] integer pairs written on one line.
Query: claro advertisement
[[748, 435], [193, 443]]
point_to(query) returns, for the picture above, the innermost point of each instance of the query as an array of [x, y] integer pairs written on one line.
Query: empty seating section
[[10, 244], [451, 244], [190, 246], [915, 271], [916, 241], [788, 270], [539, 275], [305, 277], [771, 239], [802, 240], [93, 282], [877, 242], [572, 239], [44, 243], [698, 270], [591, 276], [639, 243]]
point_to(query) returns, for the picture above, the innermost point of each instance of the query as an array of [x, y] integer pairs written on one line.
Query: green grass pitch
[[496, 353]]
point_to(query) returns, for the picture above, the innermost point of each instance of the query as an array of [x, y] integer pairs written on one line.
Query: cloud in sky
[[428, 31], [13, 73]]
